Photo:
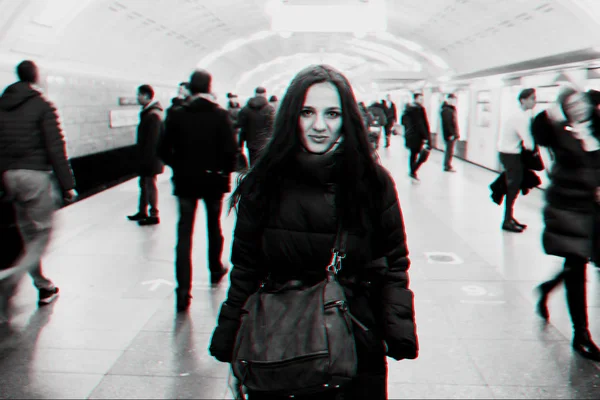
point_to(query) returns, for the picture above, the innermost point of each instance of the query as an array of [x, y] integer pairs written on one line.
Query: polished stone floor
[[113, 332]]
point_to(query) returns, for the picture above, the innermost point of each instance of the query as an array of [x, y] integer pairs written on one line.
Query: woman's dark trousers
[[573, 275]]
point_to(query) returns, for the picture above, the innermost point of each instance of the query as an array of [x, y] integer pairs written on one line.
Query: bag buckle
[[335, 265]]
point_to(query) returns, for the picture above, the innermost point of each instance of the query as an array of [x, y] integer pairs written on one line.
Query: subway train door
[[435, 120], [463, 99]]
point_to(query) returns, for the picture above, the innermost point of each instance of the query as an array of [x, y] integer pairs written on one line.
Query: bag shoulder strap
[[339, 250], [341, 240]]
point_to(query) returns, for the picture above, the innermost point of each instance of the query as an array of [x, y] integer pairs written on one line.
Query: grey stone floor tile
[[59, 360], [436, 391], [84, 339], [170, 354], [440, 361], [529, 363], [47, 385], [543, 392], [159, 387]]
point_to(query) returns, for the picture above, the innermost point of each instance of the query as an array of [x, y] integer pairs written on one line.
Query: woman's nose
[[319, 124]]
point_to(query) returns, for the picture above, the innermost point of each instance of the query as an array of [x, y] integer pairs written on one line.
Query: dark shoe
[[47, 296], [584, 345], [183, 301], [449, 169], [511, 227], [216, 277], [542, 304], [137, 217], [523, 226], [149, 221], [414, 176]]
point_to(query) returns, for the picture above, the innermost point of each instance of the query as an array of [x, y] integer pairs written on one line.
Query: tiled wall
[[84, 103]]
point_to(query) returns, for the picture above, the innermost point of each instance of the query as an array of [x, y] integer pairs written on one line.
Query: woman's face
[[321, 118], [577, 107]]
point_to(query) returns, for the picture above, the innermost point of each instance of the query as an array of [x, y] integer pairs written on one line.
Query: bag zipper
[[343, 306], [279, 363]]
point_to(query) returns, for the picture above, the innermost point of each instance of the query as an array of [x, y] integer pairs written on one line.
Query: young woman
[[318, 170], [572, 213]]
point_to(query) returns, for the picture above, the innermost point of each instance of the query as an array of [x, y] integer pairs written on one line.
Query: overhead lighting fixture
[[58, 13], [367, 16]]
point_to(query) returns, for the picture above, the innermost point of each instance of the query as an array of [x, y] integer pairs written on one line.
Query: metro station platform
[[113, 332]]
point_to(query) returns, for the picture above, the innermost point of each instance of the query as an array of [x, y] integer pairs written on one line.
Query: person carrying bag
[[312, 329], [265, 360]]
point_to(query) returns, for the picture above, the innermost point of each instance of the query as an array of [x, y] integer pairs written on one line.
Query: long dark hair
[[357, 178]]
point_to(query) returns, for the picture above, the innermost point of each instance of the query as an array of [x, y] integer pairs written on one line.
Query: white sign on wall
[[126, 117]]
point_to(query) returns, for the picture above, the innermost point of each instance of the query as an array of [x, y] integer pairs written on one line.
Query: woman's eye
[[333, 114], [306, 113]]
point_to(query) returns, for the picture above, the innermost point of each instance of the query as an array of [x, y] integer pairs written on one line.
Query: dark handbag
[[423, 155], [532, 159], [297, 339]]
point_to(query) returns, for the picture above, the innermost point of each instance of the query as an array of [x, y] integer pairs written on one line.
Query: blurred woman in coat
[[571, 215]]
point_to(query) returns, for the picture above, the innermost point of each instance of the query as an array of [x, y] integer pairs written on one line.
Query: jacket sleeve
[[229, 144], [56, 148], [245, 278], [397, 299], [149, 141], [449, 124]]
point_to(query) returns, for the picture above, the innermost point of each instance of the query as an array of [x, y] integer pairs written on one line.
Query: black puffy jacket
[[255, 121], [571, 215], [149, 134], [31, 136], [416, 126], [296, 243]]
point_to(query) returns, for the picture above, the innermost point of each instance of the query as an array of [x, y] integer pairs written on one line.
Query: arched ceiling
[[164, 40]]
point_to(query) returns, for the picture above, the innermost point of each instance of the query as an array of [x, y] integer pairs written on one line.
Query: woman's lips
[[318, 138]]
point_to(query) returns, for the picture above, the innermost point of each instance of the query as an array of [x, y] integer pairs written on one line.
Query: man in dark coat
[[449, 130], [34, 168], [392, 117], [199, 145], [255, 121], [416, 132], [182, 94], [149, 165]]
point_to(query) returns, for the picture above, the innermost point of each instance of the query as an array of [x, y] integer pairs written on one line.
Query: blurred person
[[274, 101], [183, 92], [515, 136], [149, 134], [449, 129], [316, 175], [572, 211], [199, 145], [416, 132], [255, 121], [34, 169], [392, 117]]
